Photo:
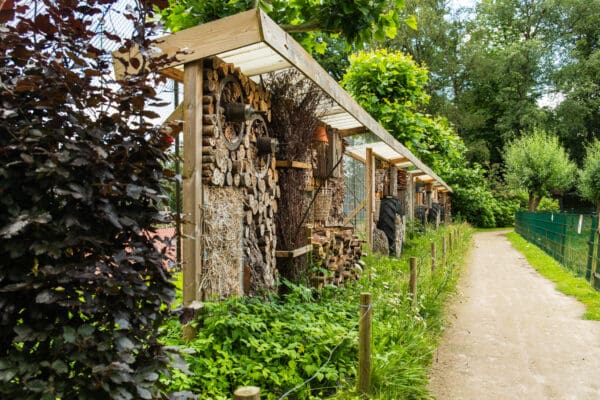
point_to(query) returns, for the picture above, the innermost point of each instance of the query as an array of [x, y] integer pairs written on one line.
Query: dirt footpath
[[511, 335]]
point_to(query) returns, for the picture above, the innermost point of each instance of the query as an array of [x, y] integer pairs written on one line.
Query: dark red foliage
[[82, 288]]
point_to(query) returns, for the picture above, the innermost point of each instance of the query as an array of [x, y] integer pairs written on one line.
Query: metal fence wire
[[569, 238]]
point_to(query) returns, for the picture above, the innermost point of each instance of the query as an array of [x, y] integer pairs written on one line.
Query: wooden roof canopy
[[253, 42]]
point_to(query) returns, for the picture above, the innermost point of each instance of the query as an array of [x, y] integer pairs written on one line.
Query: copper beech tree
[[82, 287]]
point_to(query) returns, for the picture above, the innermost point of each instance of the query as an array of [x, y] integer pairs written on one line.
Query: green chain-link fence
[[569, 238]]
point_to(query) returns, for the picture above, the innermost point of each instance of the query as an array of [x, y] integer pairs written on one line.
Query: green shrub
[[274, 344], [504, 211]]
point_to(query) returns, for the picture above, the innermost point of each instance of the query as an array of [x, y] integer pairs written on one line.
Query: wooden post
[[412, 283], [247, 393], [433, 257], [450, 241], [369, 193], [192, 180], [444, 251], [595, 244], [364, 344]]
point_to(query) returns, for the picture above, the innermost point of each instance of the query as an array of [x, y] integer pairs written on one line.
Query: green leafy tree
[[392, 88], [577, 117], [83, 291], [508, 55], [589, 175], [357, 21], [538, 164]]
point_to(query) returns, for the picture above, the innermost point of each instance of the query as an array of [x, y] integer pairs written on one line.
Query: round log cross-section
[[247, 393]]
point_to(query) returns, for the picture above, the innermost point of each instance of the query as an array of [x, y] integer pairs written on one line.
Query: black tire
[[389, 208]]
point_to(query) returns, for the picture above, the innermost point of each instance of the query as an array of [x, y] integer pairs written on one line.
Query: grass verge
[[566, 281]]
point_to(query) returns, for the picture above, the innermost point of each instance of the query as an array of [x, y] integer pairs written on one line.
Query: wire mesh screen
[[568, 238], [354, 194]]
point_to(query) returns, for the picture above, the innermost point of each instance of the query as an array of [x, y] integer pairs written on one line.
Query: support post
[[450, 241], [444, 251], [412, 283], [364, 344], [370, 195], [192, 181], [433, 257], [595, 244], [247, 393]]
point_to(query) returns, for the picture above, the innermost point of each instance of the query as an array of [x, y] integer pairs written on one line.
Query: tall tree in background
[[507, 55], [578, 79], [433, 42]]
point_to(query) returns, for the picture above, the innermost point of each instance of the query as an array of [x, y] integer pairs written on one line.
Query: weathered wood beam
[[192, 182], [370, 195], [354, 212], [199, 42]]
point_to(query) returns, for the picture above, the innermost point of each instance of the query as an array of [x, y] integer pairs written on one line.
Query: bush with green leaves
[[589, 176], [392, 88], [538, 164], [82, 288], [274, 344]]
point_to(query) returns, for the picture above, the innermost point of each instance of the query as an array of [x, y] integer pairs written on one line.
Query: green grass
[[566, 281], [405, 335]]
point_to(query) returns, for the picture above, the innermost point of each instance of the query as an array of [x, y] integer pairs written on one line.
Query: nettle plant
[[82, 287]]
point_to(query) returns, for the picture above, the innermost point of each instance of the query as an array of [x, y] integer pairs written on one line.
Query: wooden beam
[[199, 42], [353, 131], [370, 195], [292, 164], [398, 160], [354, 212], [177, 114], [356, 157], [174, 73], [192, 182], [293, 253]]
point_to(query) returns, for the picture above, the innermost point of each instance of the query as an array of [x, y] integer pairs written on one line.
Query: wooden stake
[[247, 393], [433, 257], [412, 283], [364, 344], [444, 251]]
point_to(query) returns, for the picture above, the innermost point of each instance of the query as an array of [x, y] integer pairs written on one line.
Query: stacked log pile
[[336, 256], [237, 152]]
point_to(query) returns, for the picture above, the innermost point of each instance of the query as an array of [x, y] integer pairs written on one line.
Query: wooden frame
[[236, 32]]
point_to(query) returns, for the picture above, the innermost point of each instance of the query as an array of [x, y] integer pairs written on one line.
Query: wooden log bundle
[[336, 253], [230, 158]]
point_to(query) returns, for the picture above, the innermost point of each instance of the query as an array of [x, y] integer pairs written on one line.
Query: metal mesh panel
[[354, 193], [568, 238]]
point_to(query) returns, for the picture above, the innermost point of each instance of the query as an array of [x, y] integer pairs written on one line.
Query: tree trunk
[[534, 201]]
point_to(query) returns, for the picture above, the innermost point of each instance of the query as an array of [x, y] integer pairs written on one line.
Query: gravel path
[[511, 335]]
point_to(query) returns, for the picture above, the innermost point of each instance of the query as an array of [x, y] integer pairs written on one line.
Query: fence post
[[412, 283], [433, 257], [444, 251], [364, 344], [595, 244], [247, 393], [450, 241]]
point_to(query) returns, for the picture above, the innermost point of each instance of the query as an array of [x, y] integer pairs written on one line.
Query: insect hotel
[[266, 136]]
